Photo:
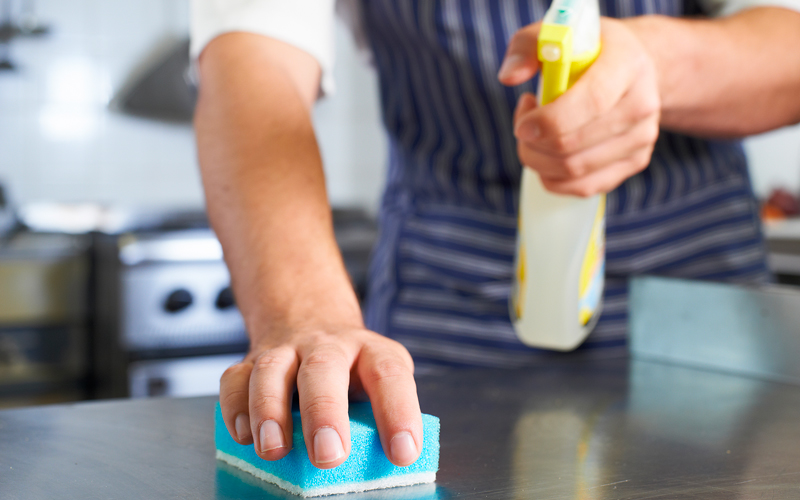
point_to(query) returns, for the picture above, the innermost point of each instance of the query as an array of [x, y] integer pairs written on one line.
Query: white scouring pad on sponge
[[367, 467]]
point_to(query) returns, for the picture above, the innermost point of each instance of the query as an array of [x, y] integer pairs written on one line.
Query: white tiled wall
[[59, 141]]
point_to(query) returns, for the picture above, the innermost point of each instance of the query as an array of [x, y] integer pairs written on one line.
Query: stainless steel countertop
[[578, 431]]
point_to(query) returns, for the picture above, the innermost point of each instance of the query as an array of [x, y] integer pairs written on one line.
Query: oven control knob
[[178, 300], [225, 299]]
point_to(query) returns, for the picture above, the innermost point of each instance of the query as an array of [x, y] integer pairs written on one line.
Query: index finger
[[521, 61]]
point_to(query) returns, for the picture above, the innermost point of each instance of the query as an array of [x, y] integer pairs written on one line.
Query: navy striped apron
[[441, 272]]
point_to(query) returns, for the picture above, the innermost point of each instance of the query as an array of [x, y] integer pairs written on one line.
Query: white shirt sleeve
[[305, 24], [721, 8]]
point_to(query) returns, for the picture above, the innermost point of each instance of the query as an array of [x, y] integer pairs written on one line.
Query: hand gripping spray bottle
[[560, 259]]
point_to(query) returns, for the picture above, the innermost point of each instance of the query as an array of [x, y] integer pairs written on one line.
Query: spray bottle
[[560, 260]]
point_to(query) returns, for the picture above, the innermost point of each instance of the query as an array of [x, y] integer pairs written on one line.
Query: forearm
[[265, 189], [726, 77]]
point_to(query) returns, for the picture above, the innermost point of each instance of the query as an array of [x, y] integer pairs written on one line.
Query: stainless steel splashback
[[752, 330]]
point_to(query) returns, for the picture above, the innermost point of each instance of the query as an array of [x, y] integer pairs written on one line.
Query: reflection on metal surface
[[235, 484], [570, 439], [705, 411], [712, 435], [604, 431], [563, 430], [749, 330]]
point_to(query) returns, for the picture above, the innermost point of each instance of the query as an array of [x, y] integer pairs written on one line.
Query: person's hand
[[325, 364], [603, 129]]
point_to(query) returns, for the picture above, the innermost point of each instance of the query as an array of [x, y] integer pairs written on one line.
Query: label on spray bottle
[[592, 277]]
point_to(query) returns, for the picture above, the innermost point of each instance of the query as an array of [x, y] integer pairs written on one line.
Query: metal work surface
[[569, 431]]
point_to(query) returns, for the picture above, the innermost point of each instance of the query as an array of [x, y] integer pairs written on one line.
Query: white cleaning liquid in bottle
[[560, 261]]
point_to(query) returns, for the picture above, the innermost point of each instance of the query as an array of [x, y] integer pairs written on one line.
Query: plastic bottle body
[[560, 261], [559, 266]]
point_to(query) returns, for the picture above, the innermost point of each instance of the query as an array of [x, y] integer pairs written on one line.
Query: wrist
[[324, 307], [652, 33], [674, 47]]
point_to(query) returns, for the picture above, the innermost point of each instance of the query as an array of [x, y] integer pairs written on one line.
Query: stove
[[166, 321]]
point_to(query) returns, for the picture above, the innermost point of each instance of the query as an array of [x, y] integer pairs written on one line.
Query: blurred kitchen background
[[111, 283]]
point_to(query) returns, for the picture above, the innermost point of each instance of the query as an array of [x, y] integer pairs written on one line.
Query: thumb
[[521, 62]]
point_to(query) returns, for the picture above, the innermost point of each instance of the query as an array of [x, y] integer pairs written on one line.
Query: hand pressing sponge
[[367, 467]]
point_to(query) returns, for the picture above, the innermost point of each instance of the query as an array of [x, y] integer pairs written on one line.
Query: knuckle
[[651, 104], [267, 404], [233, 398], [647, 135], [549, 124], [565, 143], [573, 166], [266, 361], [646, 107], [388, 369], [642, 160], [321, 405], [233, 370], [323, 356], [278, 357], [401, 352], [409, 361], [317, 338], [599, 98]]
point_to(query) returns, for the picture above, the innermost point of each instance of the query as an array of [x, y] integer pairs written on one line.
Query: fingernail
[[403, 448], [270, 436], [327, 445], [242, 425], [510, 64]]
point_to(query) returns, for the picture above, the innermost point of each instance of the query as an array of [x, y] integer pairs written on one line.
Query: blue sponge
[[367, 467]]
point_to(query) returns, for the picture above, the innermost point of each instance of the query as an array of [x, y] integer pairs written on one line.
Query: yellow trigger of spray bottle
[[560, 260]]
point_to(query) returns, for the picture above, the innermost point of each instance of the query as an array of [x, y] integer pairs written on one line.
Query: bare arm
[[264, 183], [724, 77], [266, 200], [733, 76]]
